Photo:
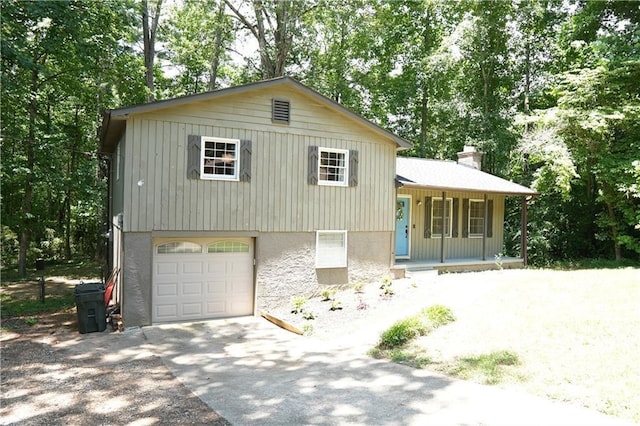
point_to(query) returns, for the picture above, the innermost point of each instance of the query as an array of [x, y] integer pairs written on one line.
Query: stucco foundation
[[286, 265], [136, 278], [285, 268]]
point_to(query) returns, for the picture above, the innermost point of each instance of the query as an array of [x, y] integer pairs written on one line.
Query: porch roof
[[451, 176]]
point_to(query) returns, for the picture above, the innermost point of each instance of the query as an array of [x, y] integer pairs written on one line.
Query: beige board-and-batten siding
[[455, 247], [158, 196]]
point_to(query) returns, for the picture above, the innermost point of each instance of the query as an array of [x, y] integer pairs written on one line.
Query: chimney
[[470, 157]]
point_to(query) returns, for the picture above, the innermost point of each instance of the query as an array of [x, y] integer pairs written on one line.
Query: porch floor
[[457, 265]]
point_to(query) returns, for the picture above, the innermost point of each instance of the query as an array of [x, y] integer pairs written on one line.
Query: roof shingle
[[449, 175]]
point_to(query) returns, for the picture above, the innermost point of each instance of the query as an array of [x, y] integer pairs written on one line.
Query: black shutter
[[312, 176], [353, 168], [245, 161], [465, 218], [489, 218], [427, 217], [454, 218], [193, 156]]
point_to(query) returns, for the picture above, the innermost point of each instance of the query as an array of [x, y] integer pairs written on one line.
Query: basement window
[[280, 111], [331, 249]]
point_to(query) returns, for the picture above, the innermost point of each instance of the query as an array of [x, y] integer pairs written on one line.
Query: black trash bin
[[92, 312]]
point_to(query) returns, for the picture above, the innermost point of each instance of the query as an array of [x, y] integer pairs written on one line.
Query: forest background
[[549, 90]]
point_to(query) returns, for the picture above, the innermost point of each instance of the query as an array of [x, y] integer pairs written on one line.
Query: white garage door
[[201, 279]]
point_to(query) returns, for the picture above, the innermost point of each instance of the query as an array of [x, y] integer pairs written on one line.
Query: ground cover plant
[[20, 304], [565, 335]]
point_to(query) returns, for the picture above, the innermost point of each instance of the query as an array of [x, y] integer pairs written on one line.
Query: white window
[[441, 212], [179, 247], [228, 247], [220, 158], [333, 167], [331, 249], [476, 218]]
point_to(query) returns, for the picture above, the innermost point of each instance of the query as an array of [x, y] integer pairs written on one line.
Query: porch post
[[523, 231], [444, 217], [484, 230]]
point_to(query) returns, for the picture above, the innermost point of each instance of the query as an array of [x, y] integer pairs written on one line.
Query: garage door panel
[[238, 286], [238, 307], [217, 308], [192, 267], [192, 309], [166, 289], [215, 267], [166, 311], [201, 285], [166, 268], [192, 288]]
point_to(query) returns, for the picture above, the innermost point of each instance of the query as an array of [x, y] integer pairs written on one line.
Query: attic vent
[[280, 111]]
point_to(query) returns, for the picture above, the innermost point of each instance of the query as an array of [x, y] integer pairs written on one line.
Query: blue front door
[[402, 226]]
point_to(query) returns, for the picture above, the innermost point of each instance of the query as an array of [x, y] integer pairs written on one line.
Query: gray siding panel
[[278, 197]]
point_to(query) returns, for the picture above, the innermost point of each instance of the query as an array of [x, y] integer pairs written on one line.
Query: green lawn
[[566, 335]]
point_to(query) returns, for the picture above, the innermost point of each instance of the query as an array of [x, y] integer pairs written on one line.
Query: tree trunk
[[424, 117], [217, 46], [282, 36], [27, 202], [149, 40], [424, 111], [268, 70]]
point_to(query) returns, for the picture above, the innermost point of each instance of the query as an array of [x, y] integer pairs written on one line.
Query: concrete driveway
[[252, 372]]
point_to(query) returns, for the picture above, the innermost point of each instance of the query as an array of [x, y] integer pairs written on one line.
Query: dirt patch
[[53, 375]]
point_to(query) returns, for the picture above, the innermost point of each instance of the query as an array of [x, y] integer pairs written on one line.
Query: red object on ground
[[109, 291]]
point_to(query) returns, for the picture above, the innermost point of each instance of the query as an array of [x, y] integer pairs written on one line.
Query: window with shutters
[[476, 218], [331, 249], [219, 158], [333, 167], [441, 214], [280, 111]]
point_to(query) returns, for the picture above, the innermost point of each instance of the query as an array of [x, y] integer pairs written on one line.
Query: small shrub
[[358, 287], [31, 321], [386, 281], [308, 315], [499, 262], [402, 332], [307, 329], [335, 305], [438, 315], [387, 290], [328, 294], [414, 284], [298, 305]]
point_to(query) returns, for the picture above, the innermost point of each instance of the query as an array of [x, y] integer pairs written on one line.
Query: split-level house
[[230, 202]]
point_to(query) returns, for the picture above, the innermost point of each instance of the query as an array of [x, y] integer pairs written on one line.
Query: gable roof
[[114, 121], [451, 176]]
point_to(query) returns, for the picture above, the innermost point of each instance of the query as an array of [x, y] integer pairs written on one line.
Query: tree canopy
[[548, 89]]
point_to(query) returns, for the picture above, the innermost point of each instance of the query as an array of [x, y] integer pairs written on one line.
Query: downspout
[[444, 217], [485, 226]]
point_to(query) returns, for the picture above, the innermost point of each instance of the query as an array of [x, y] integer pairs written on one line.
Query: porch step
[[418, 268]]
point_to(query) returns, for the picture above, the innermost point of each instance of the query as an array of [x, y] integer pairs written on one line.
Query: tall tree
[[150, 21], [274, 25], [197, 35], [53, 57]]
